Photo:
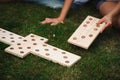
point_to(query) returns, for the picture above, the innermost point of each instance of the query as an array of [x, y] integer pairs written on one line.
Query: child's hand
[[52, 21], [107, 20]]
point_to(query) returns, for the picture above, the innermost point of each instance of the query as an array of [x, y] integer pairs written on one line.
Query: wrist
[[60, 18], [109, 16]]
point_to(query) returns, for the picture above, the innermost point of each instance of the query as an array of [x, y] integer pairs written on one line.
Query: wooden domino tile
[[35, 45], [52, 53], [23, 46], [8, 37], [35, 38], [86, 33], [43, 50], [55, 54], [20, 49]]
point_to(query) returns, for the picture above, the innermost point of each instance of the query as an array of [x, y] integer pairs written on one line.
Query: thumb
[[100, 21], [104, 27], [53, 24]]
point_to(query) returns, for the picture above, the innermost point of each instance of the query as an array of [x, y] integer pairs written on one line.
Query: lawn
[[100, 62]]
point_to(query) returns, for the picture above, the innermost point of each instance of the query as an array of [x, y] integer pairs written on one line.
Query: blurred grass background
[[100, 62]]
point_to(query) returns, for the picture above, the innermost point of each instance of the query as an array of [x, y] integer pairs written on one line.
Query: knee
[[106, 7], [119, 21], [116, 23]]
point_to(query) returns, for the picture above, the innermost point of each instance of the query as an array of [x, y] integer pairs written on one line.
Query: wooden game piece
[[22, 47], [36, 38], [86, 32], [8, 37], [55, 54], [36, 45]]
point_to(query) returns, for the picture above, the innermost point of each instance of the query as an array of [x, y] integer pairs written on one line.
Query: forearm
[[65, 9], [115, 11]]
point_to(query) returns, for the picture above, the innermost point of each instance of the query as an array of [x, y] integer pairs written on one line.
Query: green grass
[[100, 62]]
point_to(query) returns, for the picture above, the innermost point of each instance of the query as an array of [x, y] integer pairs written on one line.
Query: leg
[[105, 8]]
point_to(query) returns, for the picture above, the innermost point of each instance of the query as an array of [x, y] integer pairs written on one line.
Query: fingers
[[106, 25], [51, 21], [100, 21], [43, 22], [47, 20], [62, 22], [53, 24], [105, 20]]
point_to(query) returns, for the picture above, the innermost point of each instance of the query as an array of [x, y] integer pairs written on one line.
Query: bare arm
[[108, 19], [65, 9], [61, 17], [115, 11]]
